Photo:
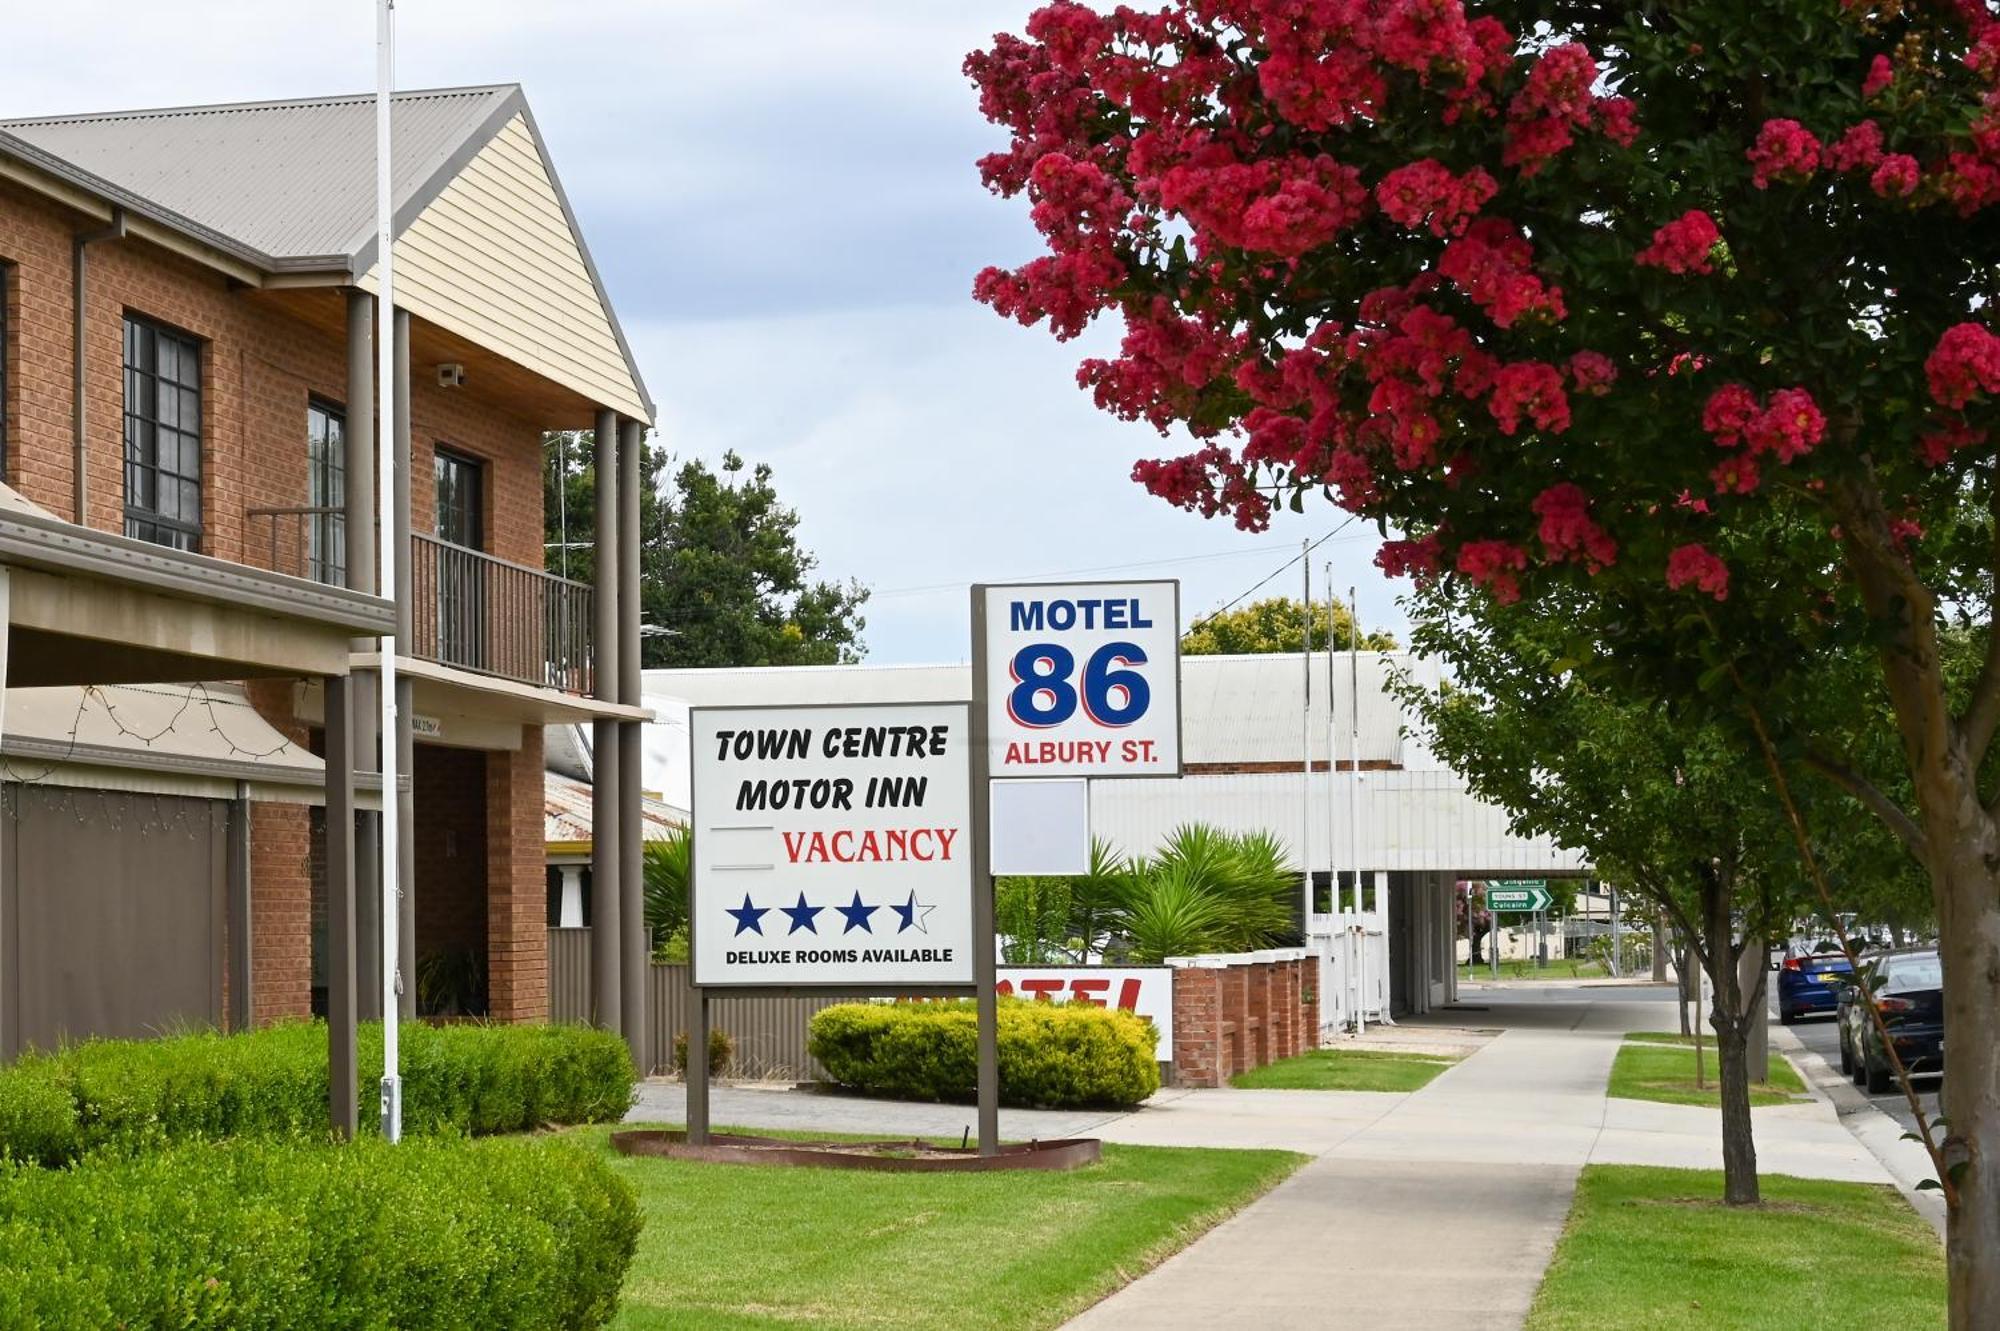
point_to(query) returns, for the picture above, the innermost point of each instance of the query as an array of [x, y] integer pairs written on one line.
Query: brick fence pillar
[[1235, 981], [517, 936], [1312, 999], [1197, 1026]]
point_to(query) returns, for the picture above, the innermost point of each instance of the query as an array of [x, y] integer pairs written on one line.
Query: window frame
[[441, 455], [144, 432], [326, 487]]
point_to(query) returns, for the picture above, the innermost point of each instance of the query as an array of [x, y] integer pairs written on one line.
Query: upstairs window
[[326, 488], [162, 435]]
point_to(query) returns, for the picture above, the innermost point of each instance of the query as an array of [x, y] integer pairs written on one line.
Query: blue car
[[1811, 984]]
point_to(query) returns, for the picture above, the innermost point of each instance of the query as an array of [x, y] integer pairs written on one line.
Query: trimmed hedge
[[427, 1234], [1052, 1055], [466, 1079]]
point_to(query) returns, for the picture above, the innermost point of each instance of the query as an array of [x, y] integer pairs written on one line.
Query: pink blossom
[[1965, 362], [1489, 263], [1682, 245], [1728, 414], [1880, 75], [1592, 373], [1425, 192], [1936, 446], [1531, 388], [1785, 150], [1553, 103], [1791, 426], [1615, 120], [1693, 565], [1735, 474], [1400, 558], [1285, 206], [1072, 33], [1896, 177], [1568, 531], [1859, 149], [1494, 565]]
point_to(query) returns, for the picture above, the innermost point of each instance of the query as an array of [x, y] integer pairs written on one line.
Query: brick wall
[[517, 899], [1234, 1014], [260, 364]]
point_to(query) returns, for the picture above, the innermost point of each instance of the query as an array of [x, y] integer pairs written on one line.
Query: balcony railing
[[468, 609]]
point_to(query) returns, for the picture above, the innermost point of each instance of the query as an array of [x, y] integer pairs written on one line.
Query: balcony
[[469, 610]]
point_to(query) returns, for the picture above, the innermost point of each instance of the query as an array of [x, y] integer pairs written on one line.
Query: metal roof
[[567, 811], [293, 181]]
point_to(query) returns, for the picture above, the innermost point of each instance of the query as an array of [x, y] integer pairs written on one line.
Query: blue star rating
[[857, 916], [913, 914], [802, 916], [749, 918]]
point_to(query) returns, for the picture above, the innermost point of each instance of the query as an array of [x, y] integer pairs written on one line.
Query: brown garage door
[[111, 914]]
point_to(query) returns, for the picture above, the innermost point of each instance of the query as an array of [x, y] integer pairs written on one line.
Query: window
[[326, 488], [162, 435], [459, 490]]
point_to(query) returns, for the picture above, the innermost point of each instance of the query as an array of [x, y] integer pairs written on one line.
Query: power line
[[1214, 614], [1071, 572]]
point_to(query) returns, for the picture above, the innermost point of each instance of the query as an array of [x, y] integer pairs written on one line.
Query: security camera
[[451, 375]]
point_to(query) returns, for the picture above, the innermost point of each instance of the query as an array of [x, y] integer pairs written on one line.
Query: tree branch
[[1866, 791], [1982, 714]]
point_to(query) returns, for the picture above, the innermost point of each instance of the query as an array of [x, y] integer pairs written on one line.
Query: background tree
[[1679, 308], [721, 571], [1277, 625]]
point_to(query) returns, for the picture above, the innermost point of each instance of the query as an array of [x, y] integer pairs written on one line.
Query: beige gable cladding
[[493, 259]]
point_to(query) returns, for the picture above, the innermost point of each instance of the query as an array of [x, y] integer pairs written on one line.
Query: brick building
[[188, 386]]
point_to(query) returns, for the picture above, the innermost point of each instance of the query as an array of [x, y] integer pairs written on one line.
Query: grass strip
[[729, 1247], [1656, 1248], [1660, 1066], [1345, 1070]]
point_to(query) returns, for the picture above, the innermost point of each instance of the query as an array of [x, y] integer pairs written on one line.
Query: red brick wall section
[[517, 900], [281, 883], [1229, 1019], [259, 366]]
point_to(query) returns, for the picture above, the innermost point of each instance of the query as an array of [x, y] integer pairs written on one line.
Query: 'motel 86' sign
[[1083, 679]]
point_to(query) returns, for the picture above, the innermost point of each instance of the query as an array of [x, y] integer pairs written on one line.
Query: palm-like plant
[[1168, 910], [1246, 890], [666, 875]]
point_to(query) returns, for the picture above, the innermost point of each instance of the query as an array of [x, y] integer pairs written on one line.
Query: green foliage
[[1276, 625], [1052, 1055], [1207, 891], [463, 1079], [721, 1048], [720, 569], [288, 1235], [666, 877], [451, 983]]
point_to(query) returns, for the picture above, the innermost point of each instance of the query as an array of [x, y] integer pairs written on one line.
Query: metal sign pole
[[695, 1071], [386, 557], [983, 964]]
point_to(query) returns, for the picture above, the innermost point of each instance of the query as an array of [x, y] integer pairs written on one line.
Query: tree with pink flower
[[1682, 313]]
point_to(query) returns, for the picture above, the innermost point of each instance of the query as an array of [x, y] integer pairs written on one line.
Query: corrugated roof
[[566, 810], [291, 180]]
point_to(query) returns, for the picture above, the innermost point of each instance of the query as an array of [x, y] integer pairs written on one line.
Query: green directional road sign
[[1518, 895]]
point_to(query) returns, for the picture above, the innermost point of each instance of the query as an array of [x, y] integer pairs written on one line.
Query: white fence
[[1353, 949]]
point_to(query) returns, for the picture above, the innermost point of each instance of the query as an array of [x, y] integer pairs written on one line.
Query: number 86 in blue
[[1112, 695]]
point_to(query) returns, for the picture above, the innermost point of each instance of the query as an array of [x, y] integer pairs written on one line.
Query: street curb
[[1875, 1130]]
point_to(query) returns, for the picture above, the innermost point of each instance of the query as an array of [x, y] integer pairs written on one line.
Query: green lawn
[[1345, 1070], [736, 1246], [1649, 1248], [1660, 1066], [1530, 971]]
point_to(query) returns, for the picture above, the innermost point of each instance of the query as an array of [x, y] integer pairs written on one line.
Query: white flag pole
[[387, 554]]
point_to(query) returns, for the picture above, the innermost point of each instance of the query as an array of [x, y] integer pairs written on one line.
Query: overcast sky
[[781, 199]]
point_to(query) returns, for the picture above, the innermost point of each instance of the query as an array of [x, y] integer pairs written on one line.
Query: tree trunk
[[1739, 1146], [1660, 950], [1968, 901]]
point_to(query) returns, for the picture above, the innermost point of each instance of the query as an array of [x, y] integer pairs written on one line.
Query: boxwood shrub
[[1052, 1055], [430, 1233], [466, 1079]]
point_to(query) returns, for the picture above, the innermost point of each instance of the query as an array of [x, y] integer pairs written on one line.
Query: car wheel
[[1786, 1016], [1846, 1056], [1877, 1078]]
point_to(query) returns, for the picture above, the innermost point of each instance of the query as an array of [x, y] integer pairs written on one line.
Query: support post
[[9, 1042], [406, 749], [358, 435], [637, 958], [241, 955], [342, 1088], [606, 768], [984, 965], [696, 1072]]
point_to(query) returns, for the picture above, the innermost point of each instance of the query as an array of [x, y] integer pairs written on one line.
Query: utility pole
[[385, 563]]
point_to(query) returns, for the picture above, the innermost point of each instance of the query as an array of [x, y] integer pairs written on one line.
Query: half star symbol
[[749, 918], [913, 913], [857, 916], [802, 916]]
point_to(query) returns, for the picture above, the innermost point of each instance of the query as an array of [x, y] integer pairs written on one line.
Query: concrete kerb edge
[[1873, 1129]]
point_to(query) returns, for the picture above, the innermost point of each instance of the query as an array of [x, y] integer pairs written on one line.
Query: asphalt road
[[1818, 1034]]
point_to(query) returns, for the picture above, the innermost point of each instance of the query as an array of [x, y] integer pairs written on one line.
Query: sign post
[[987, 997]]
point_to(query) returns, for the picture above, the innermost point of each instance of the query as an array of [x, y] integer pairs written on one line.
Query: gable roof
[[289, 186]]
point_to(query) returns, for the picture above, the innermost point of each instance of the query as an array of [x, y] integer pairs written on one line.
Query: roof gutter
[[79, 273]]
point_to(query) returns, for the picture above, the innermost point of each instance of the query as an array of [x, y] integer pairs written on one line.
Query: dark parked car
[[1909, 989], [1810, 983]]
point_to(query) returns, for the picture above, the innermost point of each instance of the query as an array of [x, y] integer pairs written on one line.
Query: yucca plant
[[666, 875], [1246, 892], [1170, 910]]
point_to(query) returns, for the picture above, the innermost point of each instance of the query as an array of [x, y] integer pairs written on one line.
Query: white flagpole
[[1305, 741], [1360, 933], [385, 490]]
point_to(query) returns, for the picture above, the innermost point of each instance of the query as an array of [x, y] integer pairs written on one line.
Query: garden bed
[[905, 1156]]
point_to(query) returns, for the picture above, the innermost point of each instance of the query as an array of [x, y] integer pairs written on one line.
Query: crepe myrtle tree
[[1682, 306]]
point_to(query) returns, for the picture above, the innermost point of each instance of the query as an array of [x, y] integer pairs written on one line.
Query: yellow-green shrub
[[1052, 1055]]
